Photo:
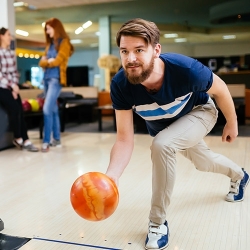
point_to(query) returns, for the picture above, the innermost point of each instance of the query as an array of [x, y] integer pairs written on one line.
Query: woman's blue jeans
[[52, 88]]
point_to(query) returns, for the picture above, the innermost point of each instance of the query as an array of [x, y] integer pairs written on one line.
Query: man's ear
[[157, 50]]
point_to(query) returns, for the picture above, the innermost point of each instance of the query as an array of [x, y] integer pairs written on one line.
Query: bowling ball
[[41, 103], [94, 196], [34, 105], [26, 106]]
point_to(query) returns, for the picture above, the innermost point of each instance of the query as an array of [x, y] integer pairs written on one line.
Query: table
[[105, 107]]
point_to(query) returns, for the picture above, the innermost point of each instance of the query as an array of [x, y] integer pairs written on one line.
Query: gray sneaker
[[45, 147], [55, 143], [30, 148]]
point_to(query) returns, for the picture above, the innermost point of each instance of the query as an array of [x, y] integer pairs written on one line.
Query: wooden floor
[[35, 198]]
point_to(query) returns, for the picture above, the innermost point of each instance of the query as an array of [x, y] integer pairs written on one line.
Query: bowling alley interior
[[41, 191]]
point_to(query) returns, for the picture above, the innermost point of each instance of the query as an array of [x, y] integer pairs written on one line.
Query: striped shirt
[[184, 86], [8, 69]]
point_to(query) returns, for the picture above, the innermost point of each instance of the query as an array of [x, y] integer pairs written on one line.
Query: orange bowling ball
[[94, 196]]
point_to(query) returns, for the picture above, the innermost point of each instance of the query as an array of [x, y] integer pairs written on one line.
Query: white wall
[[90, 57]]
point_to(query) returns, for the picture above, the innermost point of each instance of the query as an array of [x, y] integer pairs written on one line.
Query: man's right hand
[[114, 179]]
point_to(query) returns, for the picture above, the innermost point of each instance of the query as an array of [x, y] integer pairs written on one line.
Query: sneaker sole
[[55, 146], [44, 150], [33, 151], [233, 201], [157, 248]]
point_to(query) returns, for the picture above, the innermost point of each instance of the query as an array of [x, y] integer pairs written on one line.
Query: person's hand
[[114, 179], [230, 132], [15, 88], [15, 95], [50, 60], [44, 58]]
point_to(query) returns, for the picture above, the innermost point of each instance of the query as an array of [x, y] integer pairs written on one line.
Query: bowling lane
[[35, 198]]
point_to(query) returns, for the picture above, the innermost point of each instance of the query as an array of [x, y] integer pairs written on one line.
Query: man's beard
[[143, 76]]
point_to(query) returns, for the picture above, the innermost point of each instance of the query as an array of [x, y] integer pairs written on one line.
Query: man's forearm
[[119, 158], [227, 107]]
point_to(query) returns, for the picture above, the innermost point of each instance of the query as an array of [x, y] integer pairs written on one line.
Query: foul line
[[76, 244]]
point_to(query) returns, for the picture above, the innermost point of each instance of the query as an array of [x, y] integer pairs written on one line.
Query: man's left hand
[[230, 132]]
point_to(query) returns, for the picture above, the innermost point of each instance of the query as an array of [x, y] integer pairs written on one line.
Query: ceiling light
[[83, 27], [20, 4], [229, 37], [78, 30], [22, 32], [170, 35], [43, 24], [75, 41], [87, 24], [180, 40]]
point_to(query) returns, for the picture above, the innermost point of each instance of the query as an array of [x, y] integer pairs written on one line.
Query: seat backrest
[[237, 90]]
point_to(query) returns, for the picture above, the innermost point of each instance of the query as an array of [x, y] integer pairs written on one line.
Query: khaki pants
[[186, 136]]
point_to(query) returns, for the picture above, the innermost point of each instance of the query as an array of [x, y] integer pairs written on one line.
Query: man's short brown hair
[[139, 28]]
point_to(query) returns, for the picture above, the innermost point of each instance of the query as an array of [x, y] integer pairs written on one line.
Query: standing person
[[9, 92], [171, 92], [57, 52]]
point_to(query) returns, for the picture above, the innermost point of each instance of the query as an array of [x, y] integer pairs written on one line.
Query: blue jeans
[[52, 88]]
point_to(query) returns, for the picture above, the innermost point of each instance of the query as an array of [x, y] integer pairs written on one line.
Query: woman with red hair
[[54, 62]]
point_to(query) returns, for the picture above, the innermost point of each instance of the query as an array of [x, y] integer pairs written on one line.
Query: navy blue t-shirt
[[185, 84]]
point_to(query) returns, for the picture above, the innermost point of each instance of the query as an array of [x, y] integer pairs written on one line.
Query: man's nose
[[131, 57]]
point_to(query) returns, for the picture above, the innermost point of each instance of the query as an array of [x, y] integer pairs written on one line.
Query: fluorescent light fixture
[[19, 4], [43, 24], [78, 30], [83, 27], [180, 40], [229, 37], [87, 24], [22, 32], [75, 41], [173, 35]]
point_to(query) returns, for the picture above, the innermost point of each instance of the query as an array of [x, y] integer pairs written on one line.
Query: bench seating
[[81, 107]]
